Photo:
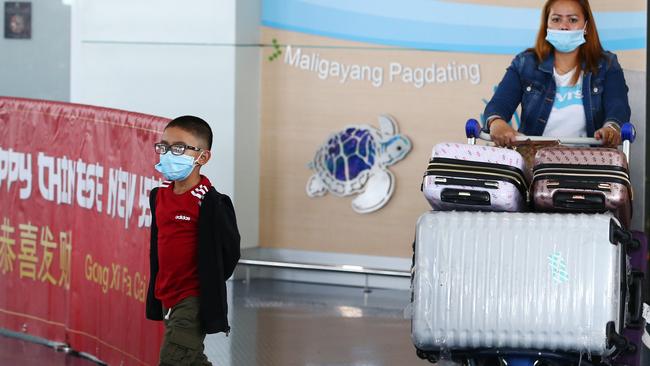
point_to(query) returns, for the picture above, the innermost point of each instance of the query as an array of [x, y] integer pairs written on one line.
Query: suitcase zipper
[[595, 177], [615, 168], [469, 163], [621, 174], [516, 176], [522, 187], [479, 166]]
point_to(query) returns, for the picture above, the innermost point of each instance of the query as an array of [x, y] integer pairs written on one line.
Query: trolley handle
[[473, 131]]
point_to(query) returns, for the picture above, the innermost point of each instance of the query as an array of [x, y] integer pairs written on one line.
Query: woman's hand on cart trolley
[[473, 131]]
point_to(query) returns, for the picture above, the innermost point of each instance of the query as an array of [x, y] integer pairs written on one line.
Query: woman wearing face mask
[[567, 84]]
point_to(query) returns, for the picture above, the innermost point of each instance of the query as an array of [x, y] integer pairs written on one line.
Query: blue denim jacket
[[531, 83]]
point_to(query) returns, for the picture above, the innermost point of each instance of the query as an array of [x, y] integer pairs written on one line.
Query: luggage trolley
[[438, 332]]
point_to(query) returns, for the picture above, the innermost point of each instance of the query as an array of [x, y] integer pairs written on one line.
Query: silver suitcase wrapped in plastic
[[522, 281]]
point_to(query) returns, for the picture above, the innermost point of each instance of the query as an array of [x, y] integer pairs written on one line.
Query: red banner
[[74, 226]]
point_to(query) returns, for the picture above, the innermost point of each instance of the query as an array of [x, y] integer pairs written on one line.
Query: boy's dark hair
[[194, 125]]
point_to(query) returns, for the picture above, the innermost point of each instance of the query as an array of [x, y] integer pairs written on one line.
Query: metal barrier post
[[367, 289]]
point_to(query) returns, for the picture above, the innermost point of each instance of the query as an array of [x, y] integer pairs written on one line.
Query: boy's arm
[[229, 234]]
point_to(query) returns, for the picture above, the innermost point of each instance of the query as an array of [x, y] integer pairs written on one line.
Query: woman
[[567, 84]]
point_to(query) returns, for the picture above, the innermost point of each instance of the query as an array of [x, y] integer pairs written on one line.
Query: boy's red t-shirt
[[177, 218]]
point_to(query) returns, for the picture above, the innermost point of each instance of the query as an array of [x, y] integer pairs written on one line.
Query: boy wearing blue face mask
[[194, 245], [568, 86]]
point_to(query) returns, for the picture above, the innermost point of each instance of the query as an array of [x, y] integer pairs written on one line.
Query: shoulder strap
[[152, 198]]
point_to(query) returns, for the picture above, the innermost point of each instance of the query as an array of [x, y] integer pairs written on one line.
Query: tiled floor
[[289, 323]]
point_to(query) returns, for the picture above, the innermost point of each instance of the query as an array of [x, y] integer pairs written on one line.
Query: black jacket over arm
[[218, 254]]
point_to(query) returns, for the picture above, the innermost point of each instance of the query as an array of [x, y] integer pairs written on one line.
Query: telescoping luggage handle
[[628, 135]]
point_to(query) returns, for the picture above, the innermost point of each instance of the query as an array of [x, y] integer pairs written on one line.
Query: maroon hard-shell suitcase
[[582, 179]]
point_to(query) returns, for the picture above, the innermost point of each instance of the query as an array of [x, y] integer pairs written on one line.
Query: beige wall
[[299, 111]]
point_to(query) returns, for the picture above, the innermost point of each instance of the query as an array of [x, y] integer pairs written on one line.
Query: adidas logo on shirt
[[182, 217]]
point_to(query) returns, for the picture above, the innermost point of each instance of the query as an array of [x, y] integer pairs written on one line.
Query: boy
[[194, 245]]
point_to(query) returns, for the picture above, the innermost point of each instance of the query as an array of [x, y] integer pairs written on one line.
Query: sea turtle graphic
[[355, 160]]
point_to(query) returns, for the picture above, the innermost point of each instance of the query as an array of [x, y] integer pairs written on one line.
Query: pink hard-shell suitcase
[[582, 179], [476, 178]]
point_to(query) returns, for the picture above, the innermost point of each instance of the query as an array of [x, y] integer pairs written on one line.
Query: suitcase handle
[[618, 235], [635, 306], [579, 201], [473, 131], [465, 197]]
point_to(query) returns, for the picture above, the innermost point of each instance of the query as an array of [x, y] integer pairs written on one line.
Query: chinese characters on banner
[[35, 253]]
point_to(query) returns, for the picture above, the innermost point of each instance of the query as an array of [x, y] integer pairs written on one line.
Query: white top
[[567, 118]]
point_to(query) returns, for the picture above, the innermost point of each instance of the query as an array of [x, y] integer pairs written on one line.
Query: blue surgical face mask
[[564, 40], [176, 167]]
